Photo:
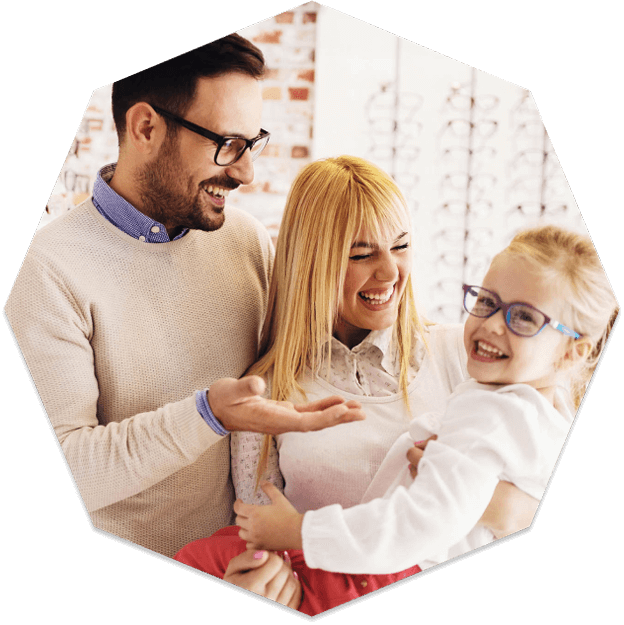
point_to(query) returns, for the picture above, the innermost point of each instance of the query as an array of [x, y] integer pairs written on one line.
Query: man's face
[[183, 187]]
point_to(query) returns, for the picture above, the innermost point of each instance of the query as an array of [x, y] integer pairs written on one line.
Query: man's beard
[[157, 184]]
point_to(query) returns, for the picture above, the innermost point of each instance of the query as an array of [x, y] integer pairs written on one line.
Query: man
[[130, 306]]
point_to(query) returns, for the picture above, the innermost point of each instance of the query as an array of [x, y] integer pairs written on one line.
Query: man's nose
[[242, 170]]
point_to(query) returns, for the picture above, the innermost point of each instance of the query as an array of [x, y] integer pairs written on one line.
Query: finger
[[314, 421], [243, 509], [248, 560], [242, 523], [288, 405], [250, 543], [423, 444], [238, 504], [263, 574], [320, 404], [272, 492], [289, 589], [352, 403], [275, 585], [249, 386], [414, 454]]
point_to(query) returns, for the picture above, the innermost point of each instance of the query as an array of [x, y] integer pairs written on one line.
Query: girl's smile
[[486, 352]]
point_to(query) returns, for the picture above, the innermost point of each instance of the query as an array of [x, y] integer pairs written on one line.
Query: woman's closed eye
[[399, 248]]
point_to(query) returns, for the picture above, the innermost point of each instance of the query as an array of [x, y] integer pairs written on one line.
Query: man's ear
[[145, 130]]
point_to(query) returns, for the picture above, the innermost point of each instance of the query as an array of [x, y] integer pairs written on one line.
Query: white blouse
[[336, 465]]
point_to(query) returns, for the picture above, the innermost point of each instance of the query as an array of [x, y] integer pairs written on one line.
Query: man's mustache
[[225, 182]]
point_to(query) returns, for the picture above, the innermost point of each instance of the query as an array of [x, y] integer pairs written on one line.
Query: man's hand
[[276, 526], [510, 509], [267, 575], [239, 406]]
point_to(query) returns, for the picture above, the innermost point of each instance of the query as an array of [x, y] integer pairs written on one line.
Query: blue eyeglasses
[[522, 319]]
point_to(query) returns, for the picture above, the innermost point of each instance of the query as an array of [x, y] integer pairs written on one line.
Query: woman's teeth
[[377, 298], [488, 351]]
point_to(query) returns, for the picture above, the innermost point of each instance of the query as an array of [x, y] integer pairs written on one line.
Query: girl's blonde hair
[[329, 203], [570, 263]]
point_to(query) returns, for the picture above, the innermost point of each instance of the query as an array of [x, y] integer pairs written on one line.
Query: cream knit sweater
[[117, 335]]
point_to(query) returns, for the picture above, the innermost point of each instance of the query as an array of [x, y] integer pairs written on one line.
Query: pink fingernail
[[258, 555], [295, 575], [286, 557], [418, 442]]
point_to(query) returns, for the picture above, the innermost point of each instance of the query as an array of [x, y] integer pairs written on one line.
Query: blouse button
[[141, 238], [155, 229], [364, 583]]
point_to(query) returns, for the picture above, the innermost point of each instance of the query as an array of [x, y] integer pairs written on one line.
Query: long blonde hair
[[329, 203], [571, 265]]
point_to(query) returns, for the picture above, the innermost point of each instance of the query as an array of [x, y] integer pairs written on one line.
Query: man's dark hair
[[171, 84]]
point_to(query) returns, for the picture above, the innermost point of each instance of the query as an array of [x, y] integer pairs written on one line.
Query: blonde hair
[[329, 203], [570, 263]]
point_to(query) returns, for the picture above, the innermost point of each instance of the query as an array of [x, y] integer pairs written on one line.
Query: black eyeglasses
[[522, 319], [229, 149]]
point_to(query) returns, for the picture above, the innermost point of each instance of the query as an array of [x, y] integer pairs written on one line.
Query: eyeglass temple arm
[[564, 329]]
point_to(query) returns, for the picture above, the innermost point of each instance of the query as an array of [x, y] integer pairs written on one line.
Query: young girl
[[537, 327]]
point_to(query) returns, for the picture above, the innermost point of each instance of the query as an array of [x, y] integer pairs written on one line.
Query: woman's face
[[376, 277]]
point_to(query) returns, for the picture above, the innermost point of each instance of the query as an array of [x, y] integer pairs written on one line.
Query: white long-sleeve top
[[337, 465], [486, 434]]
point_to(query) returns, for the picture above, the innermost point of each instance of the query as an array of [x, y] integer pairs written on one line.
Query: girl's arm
[[482, 437], [510, 509]]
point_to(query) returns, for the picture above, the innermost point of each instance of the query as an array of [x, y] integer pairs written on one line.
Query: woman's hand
[[276, 526], [510, 509], [267, 575]]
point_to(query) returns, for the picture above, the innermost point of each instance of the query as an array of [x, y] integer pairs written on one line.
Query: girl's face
[[498, 356], [376, 277]]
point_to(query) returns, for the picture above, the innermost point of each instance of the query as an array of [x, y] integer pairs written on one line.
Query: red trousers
[[321, 590]]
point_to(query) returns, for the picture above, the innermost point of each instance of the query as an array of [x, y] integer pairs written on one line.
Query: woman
[[342, 320]]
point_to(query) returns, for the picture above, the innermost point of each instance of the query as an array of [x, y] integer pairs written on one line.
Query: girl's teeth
[[488, 350]]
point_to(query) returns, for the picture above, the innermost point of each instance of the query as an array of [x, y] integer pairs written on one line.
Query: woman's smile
[[376, 299]]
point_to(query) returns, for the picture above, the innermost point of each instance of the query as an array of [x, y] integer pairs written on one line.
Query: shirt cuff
[[203, 407]]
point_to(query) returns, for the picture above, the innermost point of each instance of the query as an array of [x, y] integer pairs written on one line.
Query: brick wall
[[288, 42]]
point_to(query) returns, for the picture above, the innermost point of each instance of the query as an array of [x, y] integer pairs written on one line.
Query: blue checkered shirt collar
[[123, 215]]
